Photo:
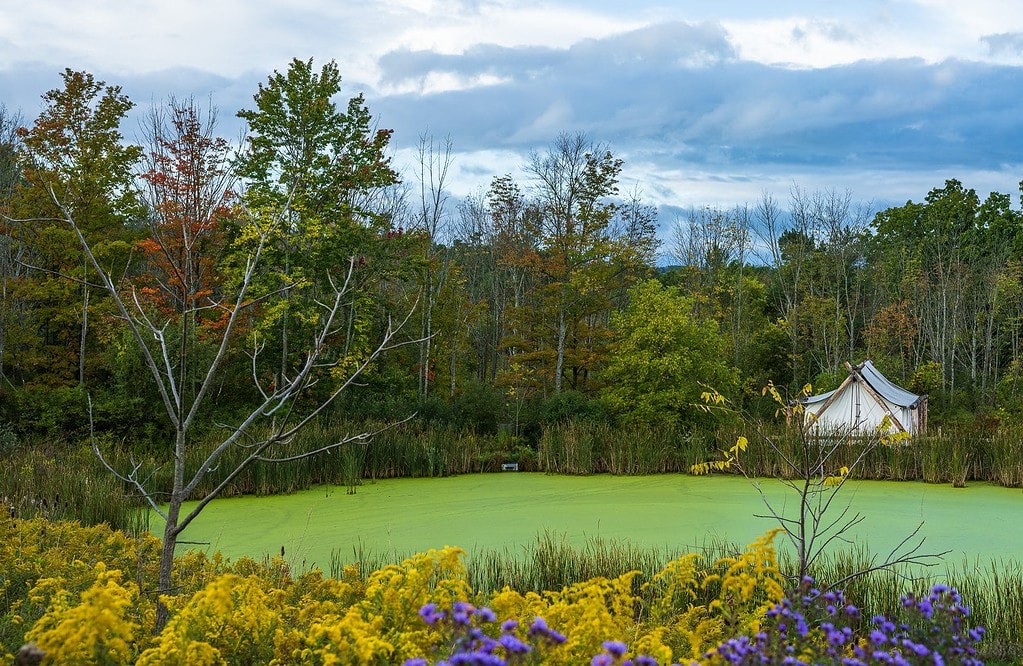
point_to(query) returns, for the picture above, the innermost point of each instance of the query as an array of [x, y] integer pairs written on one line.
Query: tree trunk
[[559, 366], [170, 542], [85, 329]]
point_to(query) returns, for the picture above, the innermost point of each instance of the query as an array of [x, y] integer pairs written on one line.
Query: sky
[[708, 103]]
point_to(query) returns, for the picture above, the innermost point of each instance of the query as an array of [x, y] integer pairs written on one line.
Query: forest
[[538, 297]]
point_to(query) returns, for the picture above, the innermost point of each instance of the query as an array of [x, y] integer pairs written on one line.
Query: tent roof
[[881, 385]]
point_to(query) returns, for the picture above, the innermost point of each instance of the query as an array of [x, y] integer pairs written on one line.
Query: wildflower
[[513, 645], [539, 629], [430, 614], [615, 648], [461, 613]]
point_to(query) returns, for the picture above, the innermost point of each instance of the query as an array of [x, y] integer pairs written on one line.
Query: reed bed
[[953, 457], [576, 447], [62, 482], [579, 447]]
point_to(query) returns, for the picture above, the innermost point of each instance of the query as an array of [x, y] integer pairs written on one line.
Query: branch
[[63, 276], [132, 478], [111, 289], [207, 382], [361, 437], [894, 559], [284, 397]]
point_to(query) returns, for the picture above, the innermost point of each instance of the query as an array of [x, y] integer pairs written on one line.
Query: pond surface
[[397, 517]]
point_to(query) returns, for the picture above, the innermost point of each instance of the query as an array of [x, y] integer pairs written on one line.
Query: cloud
[[757, 95], [679, 89], [1004, 44]]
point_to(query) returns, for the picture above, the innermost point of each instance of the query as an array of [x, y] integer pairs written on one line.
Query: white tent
[[862, 402]]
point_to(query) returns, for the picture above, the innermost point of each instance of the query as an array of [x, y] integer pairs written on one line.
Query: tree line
[[235, 271]]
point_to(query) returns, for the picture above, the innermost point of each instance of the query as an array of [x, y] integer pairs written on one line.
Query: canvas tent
[[861, 403]]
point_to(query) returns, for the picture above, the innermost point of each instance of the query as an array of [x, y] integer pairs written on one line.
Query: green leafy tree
[[585, 256], [74, 154], [320, 170], [663, 358]]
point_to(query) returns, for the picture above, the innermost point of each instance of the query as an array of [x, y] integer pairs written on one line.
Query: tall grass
[[994, 592], [581, 447], [62, 482], [1005, 456], [951, 456], [551, 563]]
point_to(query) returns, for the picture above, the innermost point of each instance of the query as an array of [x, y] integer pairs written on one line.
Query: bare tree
[[185, 286], [820, 518], [432, 167]]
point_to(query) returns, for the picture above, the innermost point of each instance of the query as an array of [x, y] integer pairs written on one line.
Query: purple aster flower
[[513, 645], [461, 612], [539, 628], [486, 614], [475, 659], [602, 659], [926, 608], [616, 649], [430, 614]]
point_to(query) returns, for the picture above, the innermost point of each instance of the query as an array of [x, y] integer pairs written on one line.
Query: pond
[[397, 517]]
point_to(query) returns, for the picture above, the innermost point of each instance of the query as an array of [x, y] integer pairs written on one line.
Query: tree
[[12, 251], [190, 197], [74, 154], [190, 206], [585, 256], [928, 251], [432, 171], [712, 247], [321, 171], [663, 356]]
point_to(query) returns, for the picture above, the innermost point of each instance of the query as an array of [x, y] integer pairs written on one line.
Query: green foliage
[[661, 359], [75, 165], [926, 379]]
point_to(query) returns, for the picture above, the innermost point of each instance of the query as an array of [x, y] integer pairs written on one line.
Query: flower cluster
[[815, 628], [820, 629], [471, 645]]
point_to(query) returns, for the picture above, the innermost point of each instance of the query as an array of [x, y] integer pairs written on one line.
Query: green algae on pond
[[397, 517]]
